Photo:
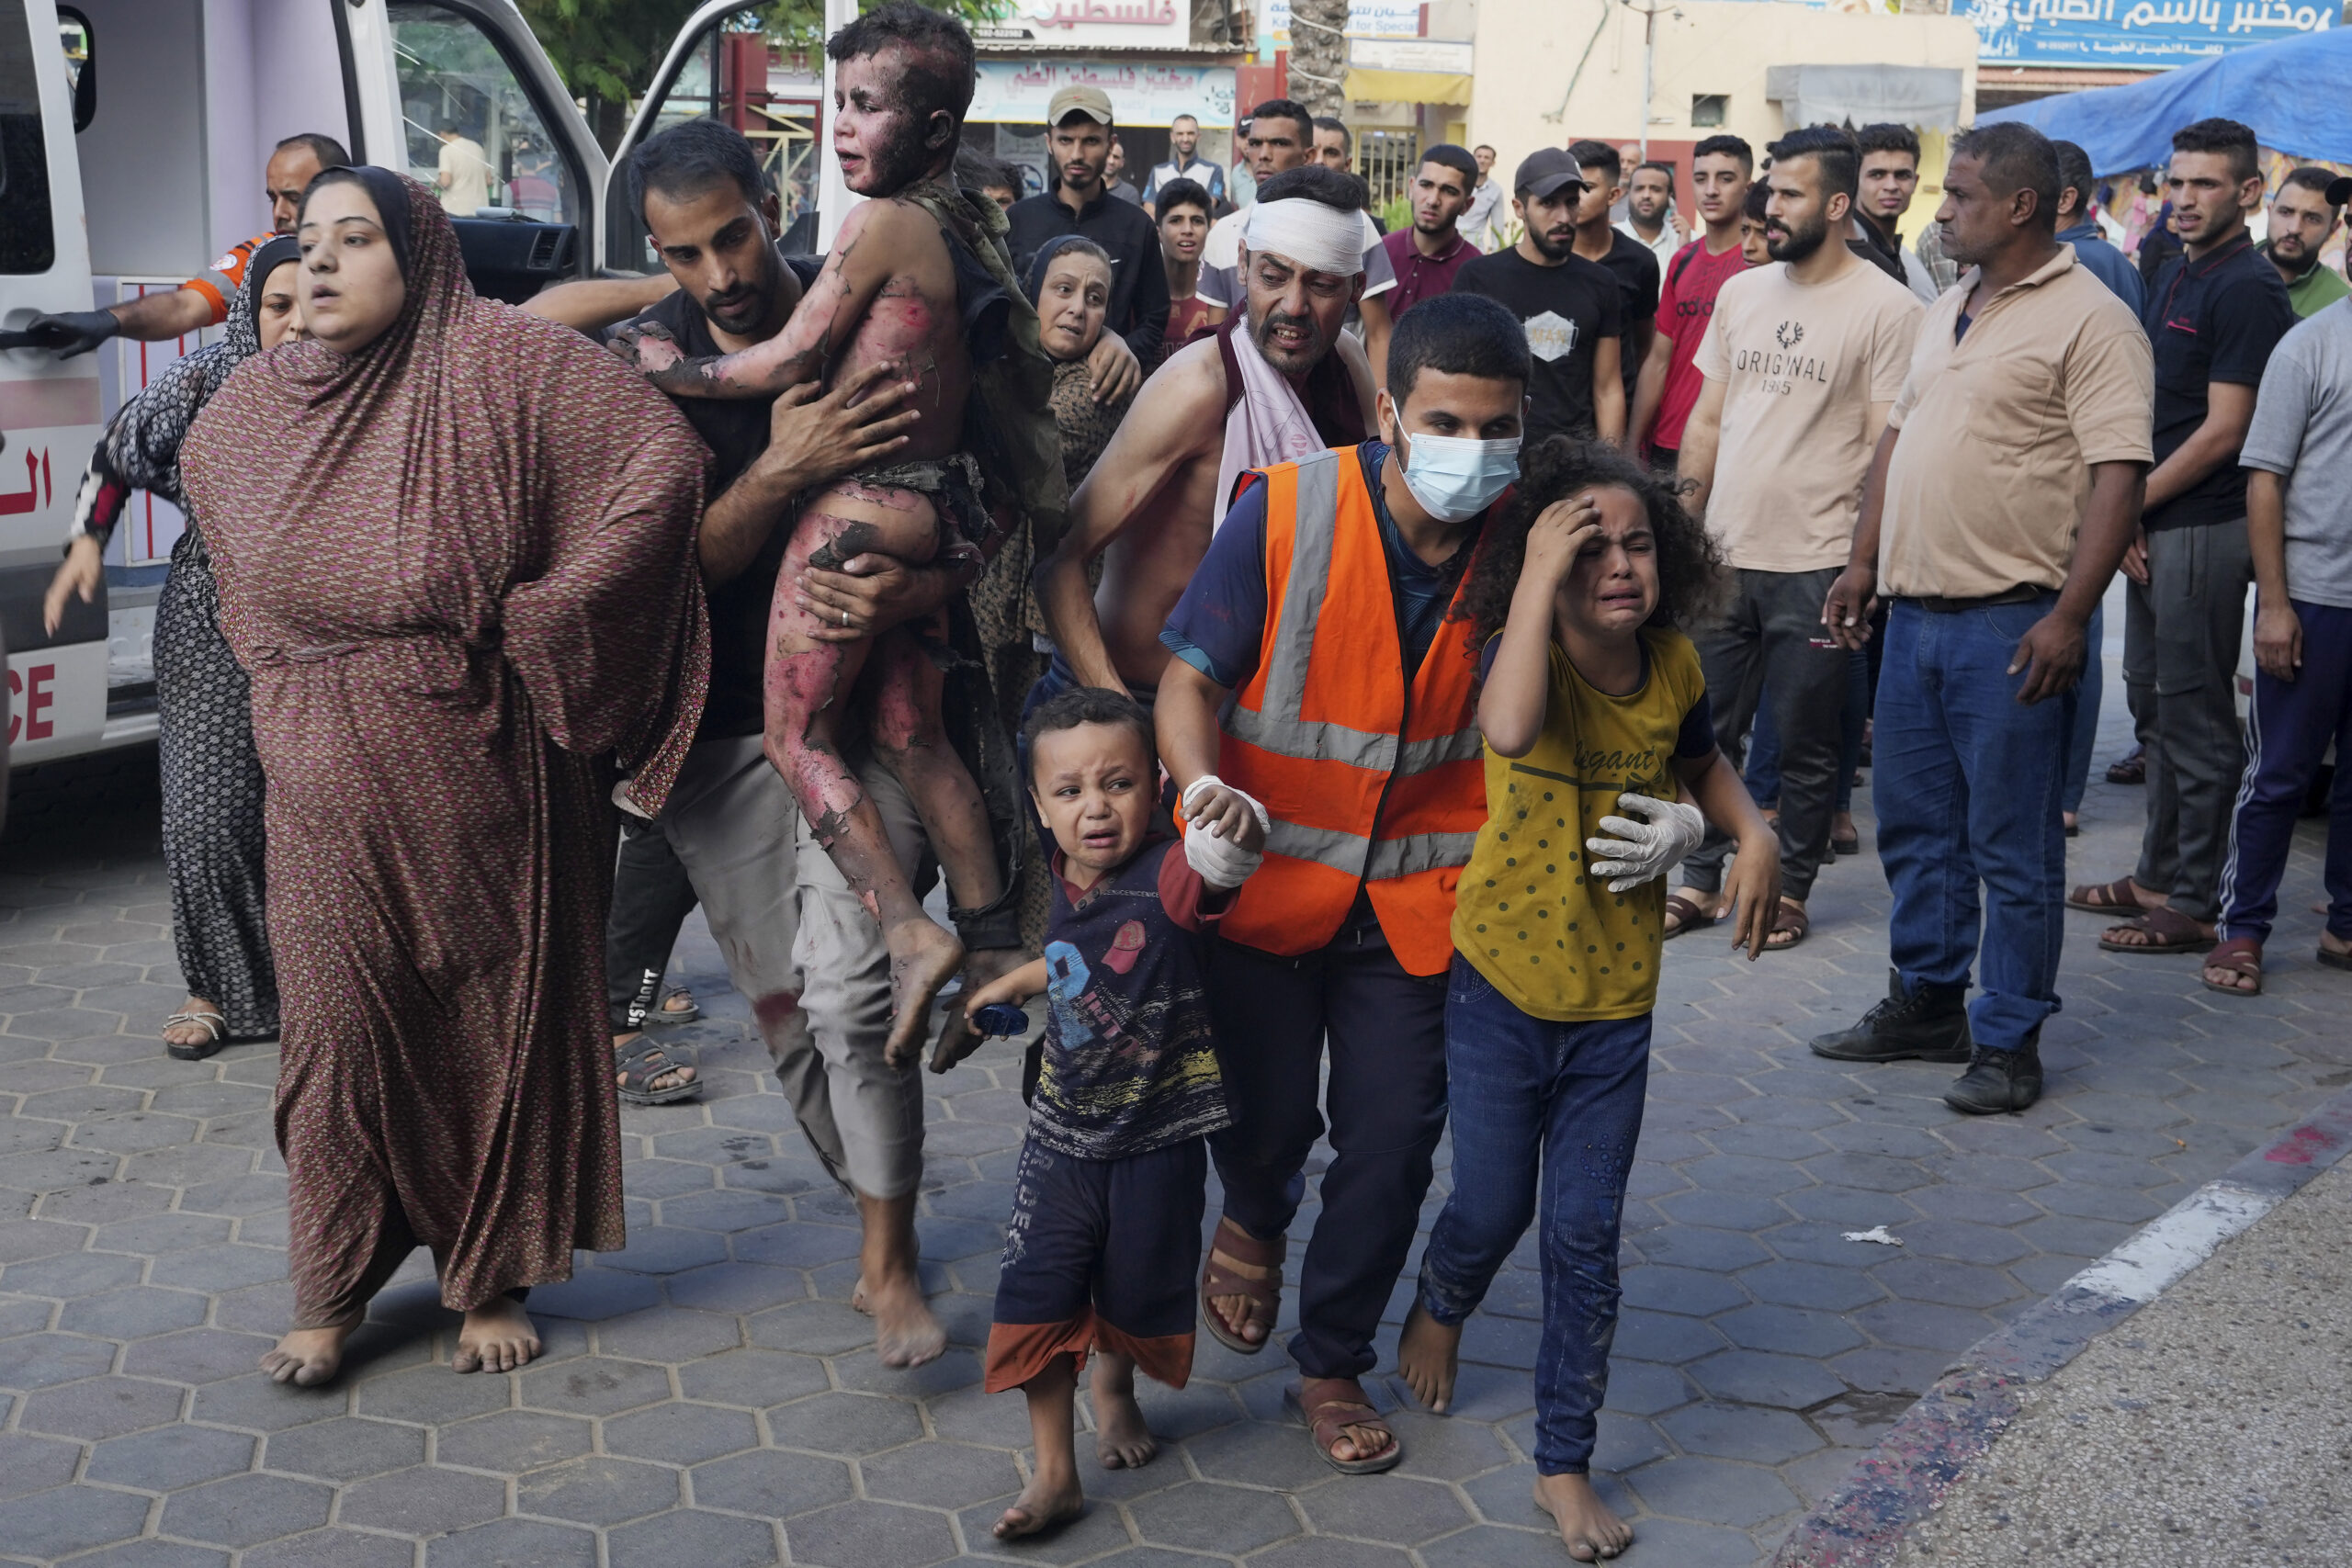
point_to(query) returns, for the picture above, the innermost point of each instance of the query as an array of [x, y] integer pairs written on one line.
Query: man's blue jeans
[[1967, 781], [1550, 1112]]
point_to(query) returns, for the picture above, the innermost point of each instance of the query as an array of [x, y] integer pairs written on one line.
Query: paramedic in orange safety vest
[[1319, 673], [203, 301]]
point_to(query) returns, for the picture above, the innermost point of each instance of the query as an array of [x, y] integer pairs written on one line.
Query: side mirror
[[81, 47]]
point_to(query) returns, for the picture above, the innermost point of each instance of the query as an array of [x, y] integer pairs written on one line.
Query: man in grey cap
[[1569, 306], [1078, 138]]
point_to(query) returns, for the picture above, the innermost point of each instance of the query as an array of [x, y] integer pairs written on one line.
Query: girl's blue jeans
[[1545, 1116]]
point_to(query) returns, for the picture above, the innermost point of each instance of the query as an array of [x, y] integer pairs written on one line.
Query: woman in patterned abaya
[[455, 547], [213, 779]]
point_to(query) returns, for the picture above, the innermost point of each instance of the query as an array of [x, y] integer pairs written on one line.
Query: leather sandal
[[2105, 898], [1264, 1292], [1331, 1405], [2168, 930], [1688, 917], [640, 1063], [2241, 956], [1792, 918]]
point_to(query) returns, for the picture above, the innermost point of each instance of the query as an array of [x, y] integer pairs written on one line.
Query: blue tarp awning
[[2293, 93]]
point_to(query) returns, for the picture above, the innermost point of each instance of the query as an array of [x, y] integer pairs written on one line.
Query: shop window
[[1710, 110]]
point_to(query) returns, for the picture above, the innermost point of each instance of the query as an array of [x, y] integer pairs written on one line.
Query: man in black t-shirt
[[1573, 310], [798, 944], [1633, 264], [2213, 314]]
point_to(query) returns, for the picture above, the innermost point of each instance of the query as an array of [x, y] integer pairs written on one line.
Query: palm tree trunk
[[1319, 55]]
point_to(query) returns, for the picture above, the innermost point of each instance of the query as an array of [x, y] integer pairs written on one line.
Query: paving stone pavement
[[709, 1398]]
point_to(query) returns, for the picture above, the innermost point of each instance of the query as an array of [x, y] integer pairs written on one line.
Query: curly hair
[[1691, 567]]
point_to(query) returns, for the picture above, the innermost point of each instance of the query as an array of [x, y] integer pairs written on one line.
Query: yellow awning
[[1405, 87]]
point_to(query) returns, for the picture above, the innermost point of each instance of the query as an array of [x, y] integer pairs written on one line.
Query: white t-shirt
[[1663, 247], [1221, 257]]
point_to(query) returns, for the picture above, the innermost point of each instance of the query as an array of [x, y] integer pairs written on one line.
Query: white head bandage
[[1318, 238]]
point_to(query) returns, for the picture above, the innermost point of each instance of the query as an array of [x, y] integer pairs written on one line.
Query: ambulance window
[[81, 64], [27, 240], [473, 132]]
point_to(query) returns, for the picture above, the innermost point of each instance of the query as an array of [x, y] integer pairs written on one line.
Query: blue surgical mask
[[1455, 477]]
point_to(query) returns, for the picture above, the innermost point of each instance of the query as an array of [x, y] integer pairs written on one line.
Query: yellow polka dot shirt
[[1552, 938]]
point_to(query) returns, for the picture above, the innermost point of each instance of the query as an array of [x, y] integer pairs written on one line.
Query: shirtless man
[[887, 296], [1159, 489]]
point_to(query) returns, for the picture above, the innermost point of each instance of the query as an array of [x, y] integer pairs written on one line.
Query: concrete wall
[[1528, 52]]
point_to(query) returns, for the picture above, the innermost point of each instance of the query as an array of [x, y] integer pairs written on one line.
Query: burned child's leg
[[808, 685]]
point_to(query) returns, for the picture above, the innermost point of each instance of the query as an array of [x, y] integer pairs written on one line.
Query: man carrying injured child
[[918, 279]]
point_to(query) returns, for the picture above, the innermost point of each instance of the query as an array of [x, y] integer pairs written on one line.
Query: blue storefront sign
[[2127, 33]]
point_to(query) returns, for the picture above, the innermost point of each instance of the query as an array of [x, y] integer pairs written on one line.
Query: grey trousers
[[1769, 638], [2181, 641], [806, 953]]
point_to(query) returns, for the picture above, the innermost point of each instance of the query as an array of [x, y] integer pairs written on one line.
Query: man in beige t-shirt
[[1802, 359], [464, 177], [2004, 493]]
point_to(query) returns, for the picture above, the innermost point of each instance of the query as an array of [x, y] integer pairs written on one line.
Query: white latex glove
[[1645, 851], [1222, 863]]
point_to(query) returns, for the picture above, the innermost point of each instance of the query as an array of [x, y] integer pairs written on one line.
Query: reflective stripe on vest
[[1278, 727], [1375, 783]]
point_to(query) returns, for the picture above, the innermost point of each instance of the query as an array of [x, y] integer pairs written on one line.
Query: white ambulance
[[132, 139]]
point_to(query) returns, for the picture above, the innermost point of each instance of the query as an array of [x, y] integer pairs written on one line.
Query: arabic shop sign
[[2135, 32], [1142, 92], [1147, 23]]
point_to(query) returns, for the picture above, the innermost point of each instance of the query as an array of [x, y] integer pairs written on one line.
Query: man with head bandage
[[1278, 382], [1282, 137]]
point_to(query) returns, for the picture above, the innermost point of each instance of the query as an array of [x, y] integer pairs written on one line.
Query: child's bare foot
[[923, 958], [1589, 1528], [308, 1357], [1427, 1358], [905, 1333], [496, 1337], [1046, 1502], [1122, 1440]]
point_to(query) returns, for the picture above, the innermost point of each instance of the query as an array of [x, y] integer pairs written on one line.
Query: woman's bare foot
[[496, 1337], [1122, 1439], [187, 1034], [1589, 1528], [1046, 1502], [308, 1357], [1427, 1358], [923, 958]]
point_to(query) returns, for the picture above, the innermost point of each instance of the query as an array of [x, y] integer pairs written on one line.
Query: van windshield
[[27, 239]]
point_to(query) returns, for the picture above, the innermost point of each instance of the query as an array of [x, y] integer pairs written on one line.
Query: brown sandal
[[2168, 930], [1234, 1244], [1791, 918], [1689, 917], [1333, 1404], [2241, 956], [2104, 897]]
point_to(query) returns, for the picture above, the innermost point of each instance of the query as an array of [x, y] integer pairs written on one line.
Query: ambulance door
[[459, 95], [48, 409], [717, 69]]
